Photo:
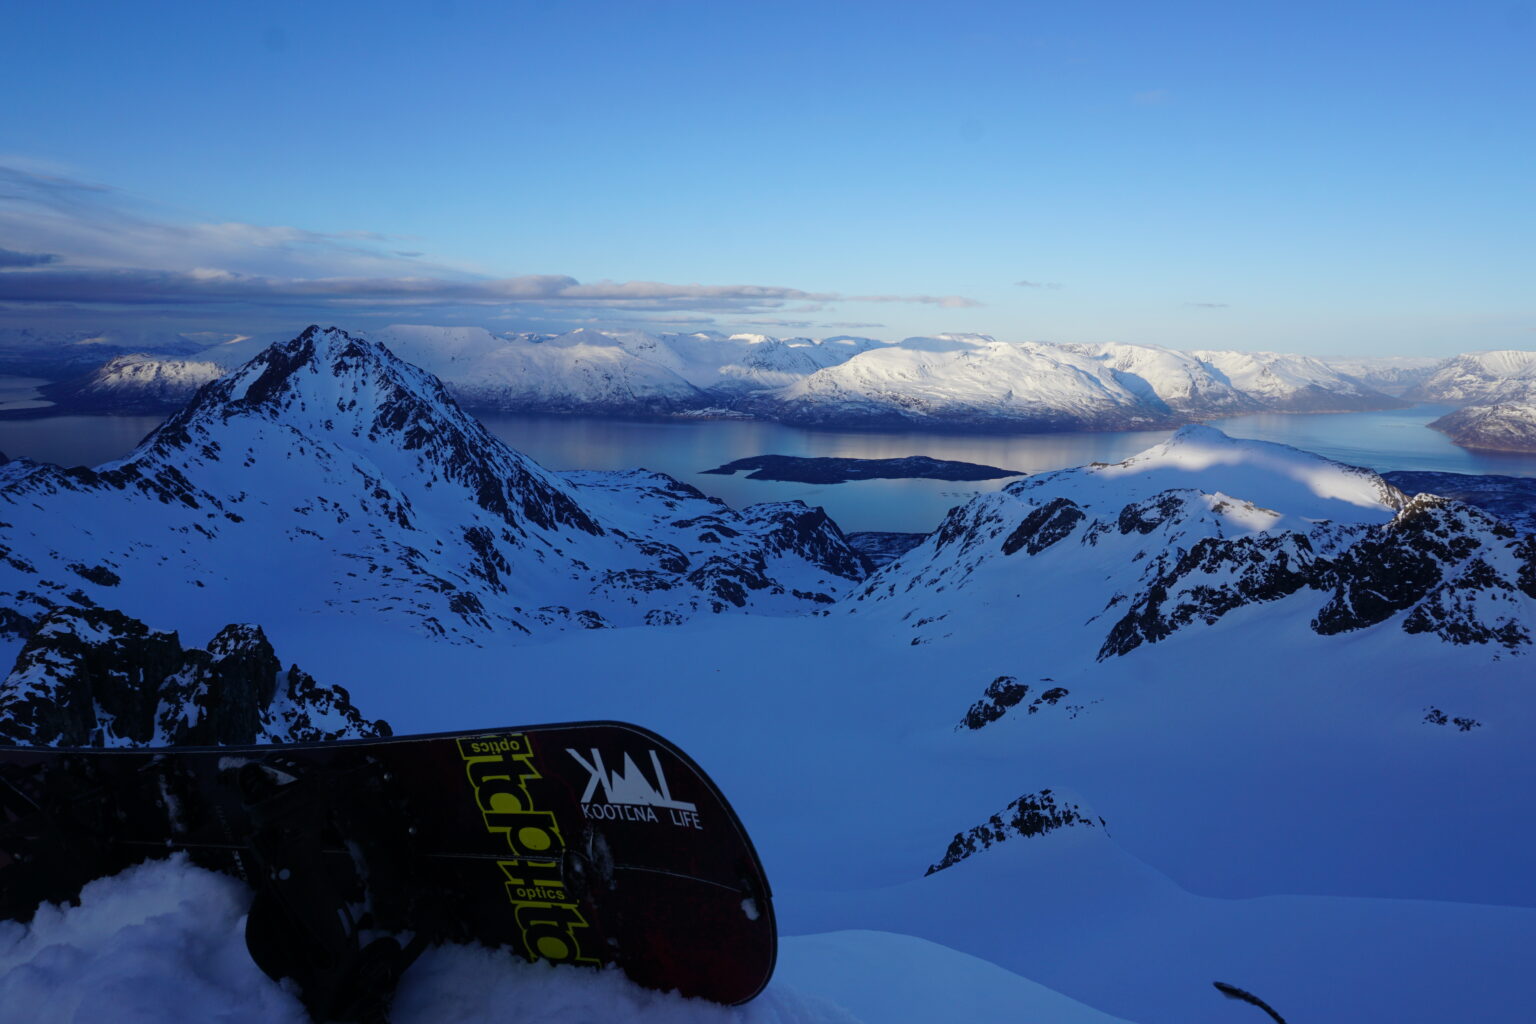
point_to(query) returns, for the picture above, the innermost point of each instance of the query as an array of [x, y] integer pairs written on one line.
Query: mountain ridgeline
[[1203, 527], [948, 382]]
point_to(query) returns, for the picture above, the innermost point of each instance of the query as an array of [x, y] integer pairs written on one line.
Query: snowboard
[[590, 843]]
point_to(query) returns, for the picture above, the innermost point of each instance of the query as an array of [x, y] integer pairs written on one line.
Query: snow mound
[[1275, 476], [164, 941]]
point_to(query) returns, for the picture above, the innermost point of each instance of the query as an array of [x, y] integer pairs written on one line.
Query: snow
[[1274, 476], [165, 941], [1476, 376], [161, 942], [1277, 812], [1274, 375], [1503, 420]]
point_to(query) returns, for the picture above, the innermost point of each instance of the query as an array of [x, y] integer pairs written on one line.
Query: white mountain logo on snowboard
[[628, 795]]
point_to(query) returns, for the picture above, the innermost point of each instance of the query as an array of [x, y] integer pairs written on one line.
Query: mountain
[[946, 382], [328, 477], [1476, 377], [583, 371], [96, 677], [56, 355], [1391, 375], [130, 383], [728, 366], [955, 381], [1205, 526], [1503, 418], [1292, 383], [971, 381], [568, 373]]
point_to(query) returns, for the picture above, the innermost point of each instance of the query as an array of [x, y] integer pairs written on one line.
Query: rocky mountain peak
[[329, 384]]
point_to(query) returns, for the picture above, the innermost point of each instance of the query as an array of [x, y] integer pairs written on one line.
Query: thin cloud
[[1038, 284], [946, 301], [1208, 305], [12, 258], [801, 325], [91, 245], [125, 286]]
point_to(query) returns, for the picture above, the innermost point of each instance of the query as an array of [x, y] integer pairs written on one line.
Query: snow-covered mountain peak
[[328, 384], [1275, 476]]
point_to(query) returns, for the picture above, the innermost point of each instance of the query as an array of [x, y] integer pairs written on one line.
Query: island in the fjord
[[801, 470]]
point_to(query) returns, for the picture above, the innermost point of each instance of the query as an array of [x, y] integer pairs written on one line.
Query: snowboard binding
[[331, 857]]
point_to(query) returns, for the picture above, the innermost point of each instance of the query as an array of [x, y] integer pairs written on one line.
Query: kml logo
[[499, 769], [628, 795]]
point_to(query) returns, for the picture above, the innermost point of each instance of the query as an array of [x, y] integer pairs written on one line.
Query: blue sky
[[1315, 177]]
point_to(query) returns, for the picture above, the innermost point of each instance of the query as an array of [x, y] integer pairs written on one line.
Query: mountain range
[[963, 382]]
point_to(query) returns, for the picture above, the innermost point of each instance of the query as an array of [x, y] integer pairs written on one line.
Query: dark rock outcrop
[[1510, 498], [1033, 814], [97, 677], [1044, 526], [1449, 569]]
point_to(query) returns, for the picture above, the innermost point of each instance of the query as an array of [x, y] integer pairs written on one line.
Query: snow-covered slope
[[134, 382], [1477, 377], [1291, 383], [963, 381], [164, 941], [1178, 380], [1391, 375], [973, 381], [326, 476], [1503, 418], [1204, 526]]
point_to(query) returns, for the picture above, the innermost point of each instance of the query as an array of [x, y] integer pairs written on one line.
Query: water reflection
[[1395, 439]]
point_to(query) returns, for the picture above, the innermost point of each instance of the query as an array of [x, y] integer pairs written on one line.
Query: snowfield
[[1242, 668]]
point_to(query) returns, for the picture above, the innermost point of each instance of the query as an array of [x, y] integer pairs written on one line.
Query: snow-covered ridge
[[134, 382], [1477, 377], [1204, 526], [328, 476], [1392, 375], [945, 382]]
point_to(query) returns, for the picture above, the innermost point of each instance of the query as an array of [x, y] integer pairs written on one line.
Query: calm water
[[1397, 439]]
